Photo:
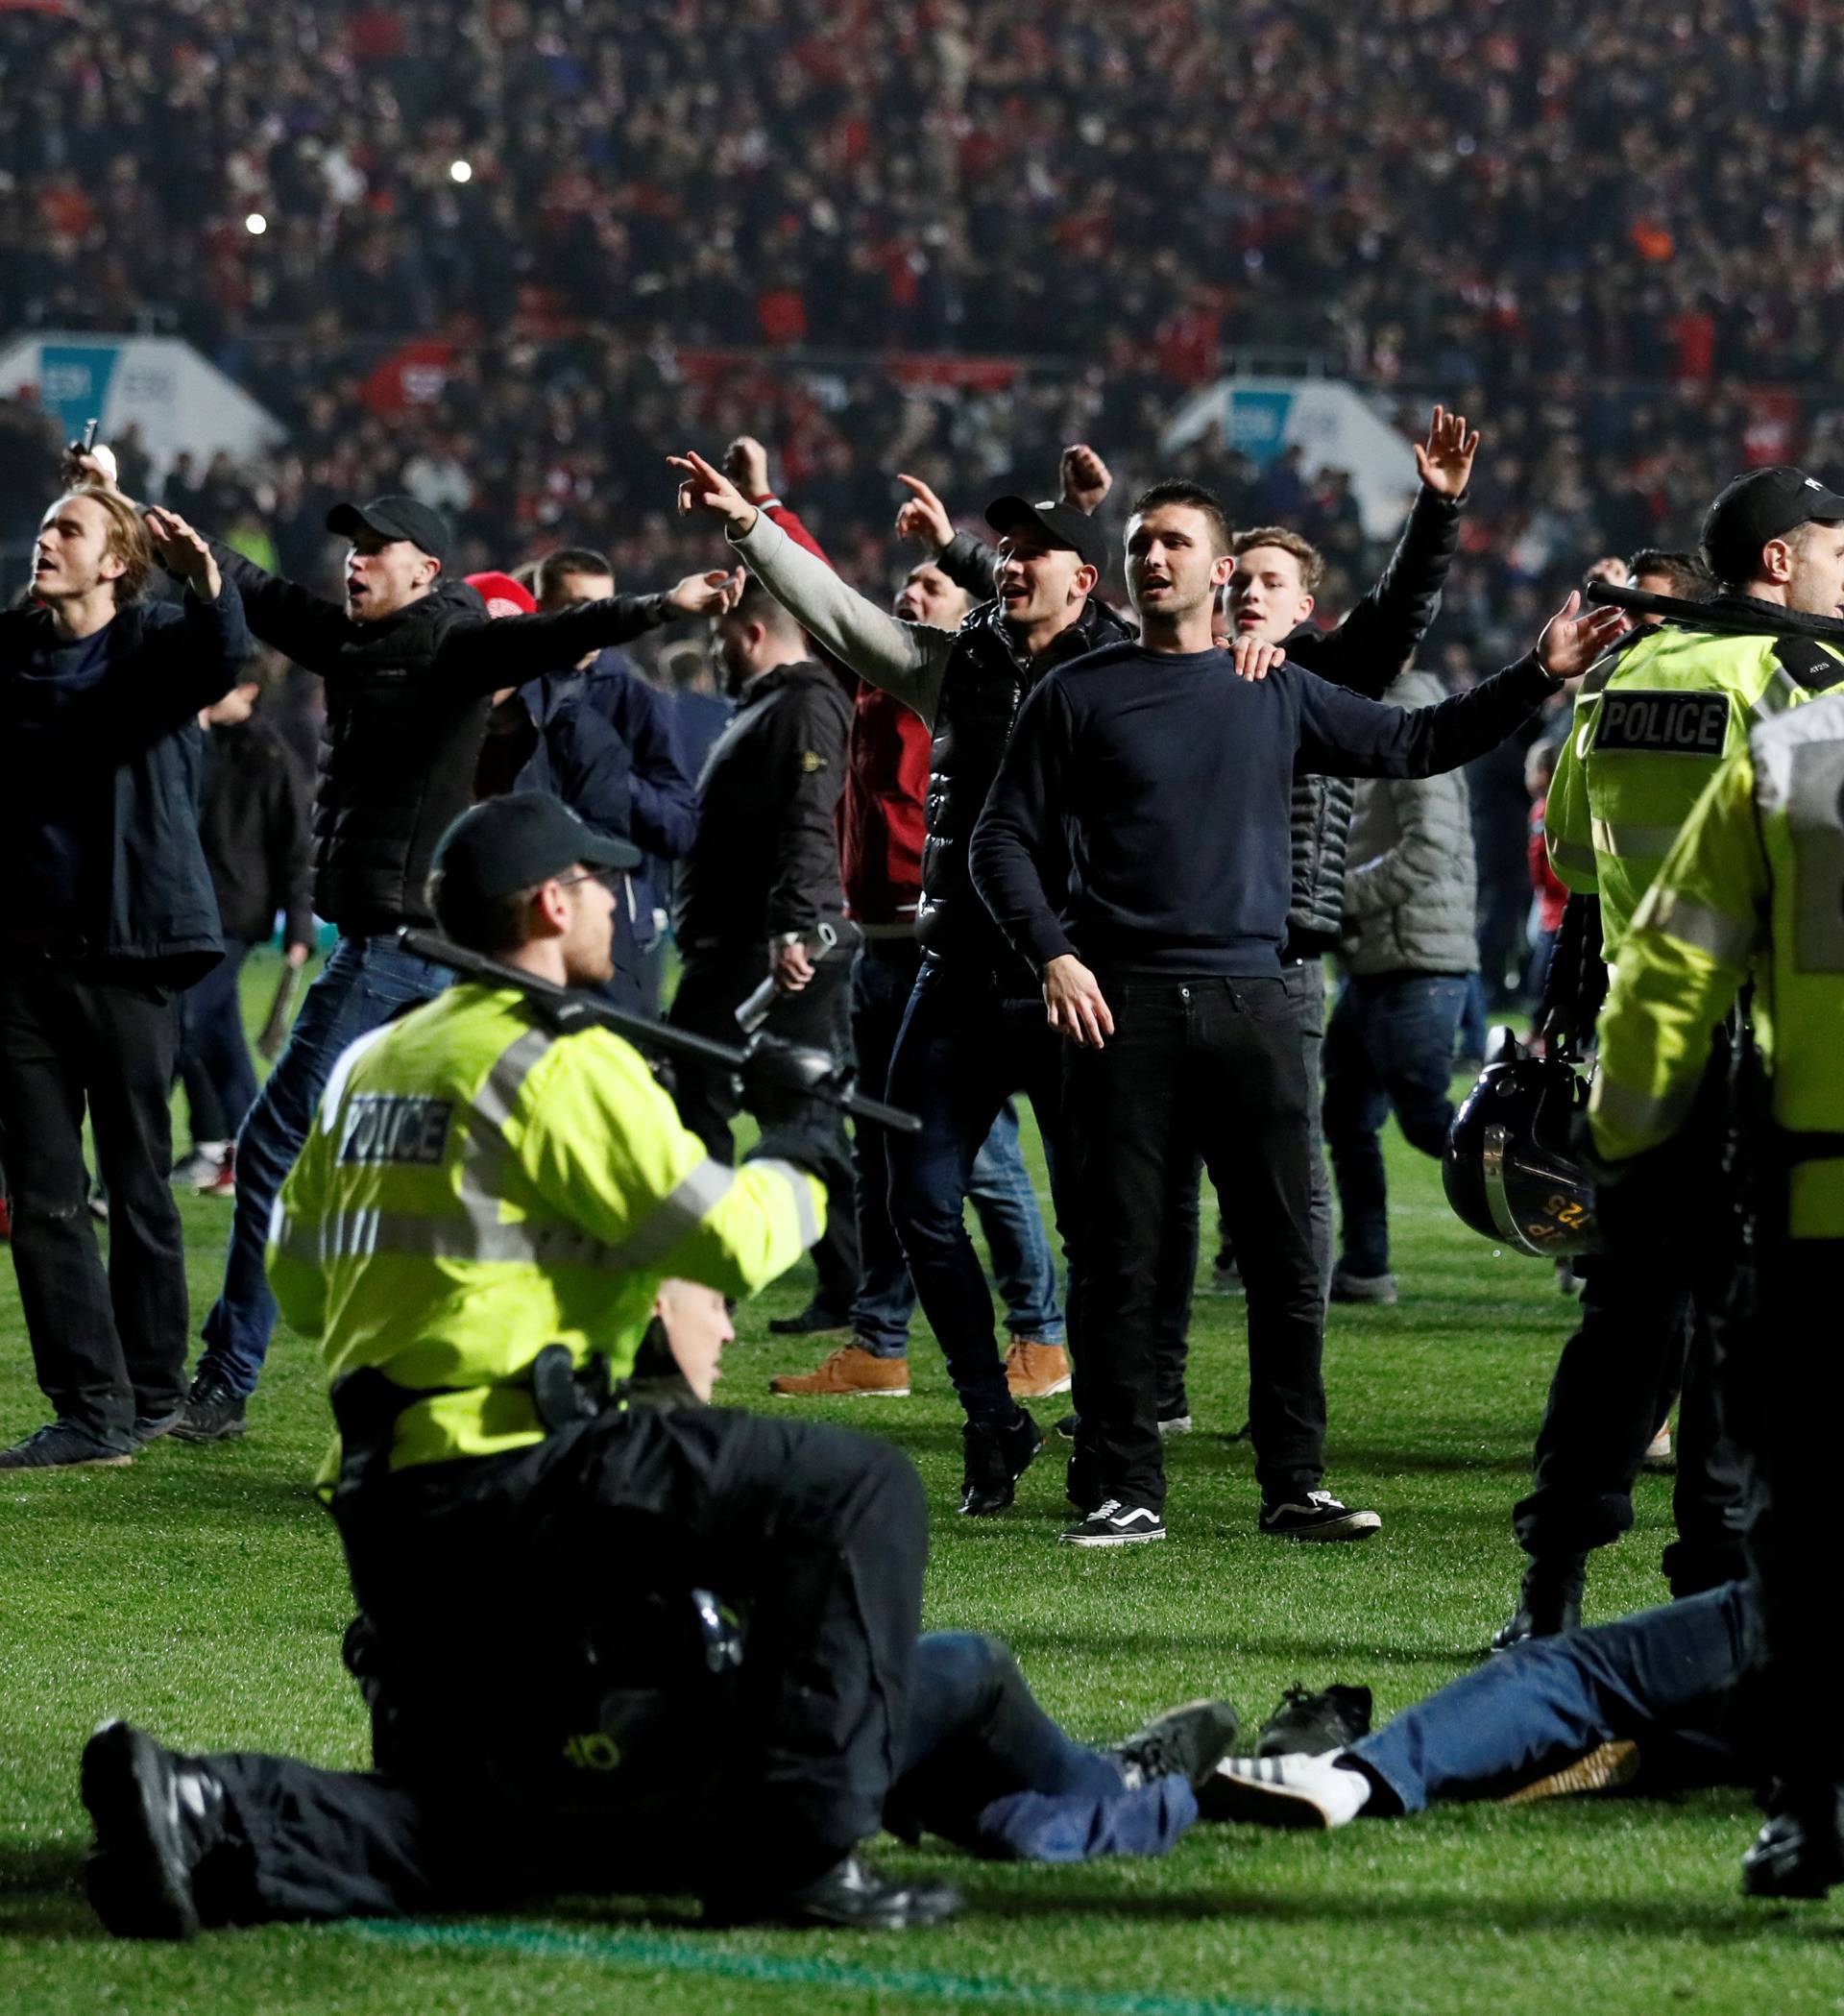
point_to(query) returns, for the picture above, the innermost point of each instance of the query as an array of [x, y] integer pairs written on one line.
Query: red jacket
[[880, 815]]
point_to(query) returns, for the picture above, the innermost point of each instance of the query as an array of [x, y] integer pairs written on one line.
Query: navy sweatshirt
[[1141, 818]]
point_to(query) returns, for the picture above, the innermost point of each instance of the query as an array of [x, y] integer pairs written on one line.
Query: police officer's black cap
[[518, 841], [395, 517], [1061, 525], [1765, 504]]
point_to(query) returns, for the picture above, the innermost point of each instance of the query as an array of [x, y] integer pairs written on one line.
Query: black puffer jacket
[[982, 687], [1376, 641], [407, 700]]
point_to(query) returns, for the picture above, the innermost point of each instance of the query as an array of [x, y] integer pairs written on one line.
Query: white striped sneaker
[[1284, 1791], [1112, 1524]]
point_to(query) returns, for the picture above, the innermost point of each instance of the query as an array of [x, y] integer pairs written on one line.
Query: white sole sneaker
[[1300, 1793]]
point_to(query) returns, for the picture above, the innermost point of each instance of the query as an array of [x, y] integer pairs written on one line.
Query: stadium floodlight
[[255, 224], [460, 171]]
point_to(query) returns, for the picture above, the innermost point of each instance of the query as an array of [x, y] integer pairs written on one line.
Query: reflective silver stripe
[[1712, 930], [1782, 690], [1639, 1112], [342, 1071], [1572, 854], [690, 1203], [1628, 841], [806, 1211], [476, 1232], [1772, 745], [496, 1098]]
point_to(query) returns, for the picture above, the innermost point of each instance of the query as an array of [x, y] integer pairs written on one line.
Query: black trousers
[[1655, 1325], [106, 1346], [1304, 979], [712, 988], [1195, 1066], [1784, 1398], [1645, 1340], [510, 1599]]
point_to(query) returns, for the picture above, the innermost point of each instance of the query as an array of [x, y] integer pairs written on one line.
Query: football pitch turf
[[200, 1592]]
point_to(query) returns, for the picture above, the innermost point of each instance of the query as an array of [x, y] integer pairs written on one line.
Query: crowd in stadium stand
[[972, 181]]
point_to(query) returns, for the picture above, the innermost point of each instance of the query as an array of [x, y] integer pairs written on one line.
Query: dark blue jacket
[[664, 816], [576, 755], [154, 913]]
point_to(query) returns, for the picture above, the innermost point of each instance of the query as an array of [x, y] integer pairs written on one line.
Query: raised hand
[[1445, 462], [1571, 643], [707, 490], [183, 552], [1086, 477], [923, 518], [745, 462], [89, 465], [1255, 659], [715, 594]]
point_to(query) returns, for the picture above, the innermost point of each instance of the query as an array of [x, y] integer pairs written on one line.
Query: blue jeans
[[968, 1044], [363, 984], [1665, 1679], [882, 979], [212, 1042], [984, 1766], [1388, 1046]]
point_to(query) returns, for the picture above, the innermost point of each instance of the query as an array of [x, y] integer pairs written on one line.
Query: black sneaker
[[156, 1817], [213, 1413], [1318, 1516], [63, 1446], [995, 1455], [852, 1895], [1796, 1853], [149, 1428], [1549, 1603], [810, 1322], [1112, 1524], [1173, 1421], [1185, 1742], [1309, 1725], [1067, 1426]]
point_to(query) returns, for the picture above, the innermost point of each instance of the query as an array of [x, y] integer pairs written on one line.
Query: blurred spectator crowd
[[1615, 239]]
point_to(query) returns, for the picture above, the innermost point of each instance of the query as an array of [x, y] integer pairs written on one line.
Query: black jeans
[[714, 987], [1304, 979], [106, 1346], [1195, 1066]]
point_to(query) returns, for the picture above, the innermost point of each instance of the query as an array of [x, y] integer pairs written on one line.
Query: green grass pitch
[[200, 1592]]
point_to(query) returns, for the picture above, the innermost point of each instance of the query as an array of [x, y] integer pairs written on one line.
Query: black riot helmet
[[1509, 1171]]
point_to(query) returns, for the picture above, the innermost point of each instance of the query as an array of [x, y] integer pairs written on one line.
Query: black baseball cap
[[1764, 504], [518, 841], [395, 517], [1060, 523]]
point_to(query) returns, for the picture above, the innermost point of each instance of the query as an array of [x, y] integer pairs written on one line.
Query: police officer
[[1651, 724], [1752, 889], [586, 1629]]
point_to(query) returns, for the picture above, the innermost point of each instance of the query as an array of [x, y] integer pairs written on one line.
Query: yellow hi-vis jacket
[[1753, 886], [1652, 722], [476, 1187]]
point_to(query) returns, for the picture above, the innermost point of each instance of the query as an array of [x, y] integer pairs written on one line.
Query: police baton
[[1757, 619], [813, 1073]]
